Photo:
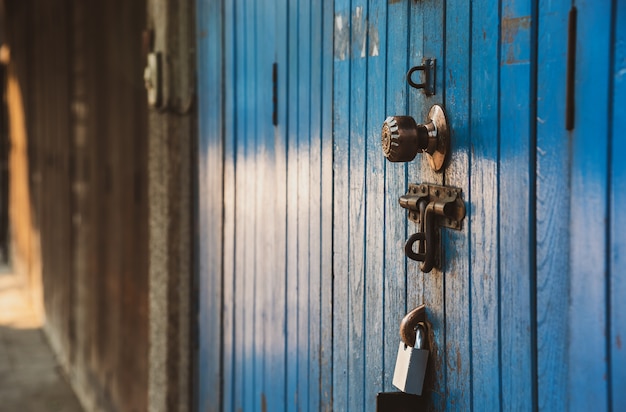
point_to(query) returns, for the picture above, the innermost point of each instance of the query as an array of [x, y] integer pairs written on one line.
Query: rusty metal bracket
[[429, 67], [431, 207]]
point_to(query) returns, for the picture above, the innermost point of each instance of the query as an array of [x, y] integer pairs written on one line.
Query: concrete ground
[[30, 378]]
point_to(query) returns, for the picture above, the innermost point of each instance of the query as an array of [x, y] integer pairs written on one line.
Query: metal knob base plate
[[437, 158]]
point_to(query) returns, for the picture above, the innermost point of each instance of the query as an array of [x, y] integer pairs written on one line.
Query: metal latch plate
[[443, 194]]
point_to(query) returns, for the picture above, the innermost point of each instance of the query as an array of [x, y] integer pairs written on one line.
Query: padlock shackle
[[409, 324]]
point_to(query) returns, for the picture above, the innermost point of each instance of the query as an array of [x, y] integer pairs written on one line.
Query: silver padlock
[[412, 357]]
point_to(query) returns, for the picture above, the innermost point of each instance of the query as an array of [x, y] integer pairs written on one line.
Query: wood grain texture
[[230, 144], [293, 278], [326, 305], [483, 216], [618, 214], [588, 359], [276, 361], [356, 205], [342, 379], [315, 27], [552, 209], [210, 198], [427, 31], [515, 183], [374, 307], [261, 87], [326, 204], [242, 355], [269, 321], [302, 142], [458, 327], [395, 278]]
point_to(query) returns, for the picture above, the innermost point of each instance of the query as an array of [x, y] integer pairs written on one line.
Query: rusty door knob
[[402, 138]]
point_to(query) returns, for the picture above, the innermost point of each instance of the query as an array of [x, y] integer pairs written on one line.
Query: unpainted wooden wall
[[79, 204]]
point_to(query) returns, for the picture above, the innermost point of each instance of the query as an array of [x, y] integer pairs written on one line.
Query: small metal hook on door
[[429, 68]]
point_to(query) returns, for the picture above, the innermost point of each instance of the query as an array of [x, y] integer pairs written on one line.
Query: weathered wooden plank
[[394, 280], [458, 327], [302, 140], [314, 11], [266, 278], [374, 308], [482, 211], [275, 362], [552, 207], [427, 31], [247, 188], [210, 16], [327, 282], [230, 211], [341, 185], [618, 213], [516, 227], [242, 355], [292, 210], [587, 358], [356, 205]]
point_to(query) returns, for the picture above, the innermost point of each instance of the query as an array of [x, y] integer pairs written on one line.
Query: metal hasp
[[429, 68], [402, 138], [431, 207]]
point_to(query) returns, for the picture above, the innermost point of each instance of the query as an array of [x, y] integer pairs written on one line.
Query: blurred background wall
[[78, 203]]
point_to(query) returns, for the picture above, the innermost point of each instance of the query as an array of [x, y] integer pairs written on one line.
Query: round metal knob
[[400, 138]]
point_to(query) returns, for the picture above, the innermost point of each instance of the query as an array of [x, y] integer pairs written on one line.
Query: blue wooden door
[[302, 275]]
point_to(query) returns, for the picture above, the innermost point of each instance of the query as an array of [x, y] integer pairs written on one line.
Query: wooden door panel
[[303, 278]]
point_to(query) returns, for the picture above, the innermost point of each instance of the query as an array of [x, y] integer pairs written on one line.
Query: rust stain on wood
[[512, 26]]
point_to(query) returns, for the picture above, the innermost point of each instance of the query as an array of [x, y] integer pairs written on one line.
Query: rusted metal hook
[[410, 322]]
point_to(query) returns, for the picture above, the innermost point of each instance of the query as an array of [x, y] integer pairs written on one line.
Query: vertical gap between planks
[[406, 166], [348, 223], [296, 195], [469, 203], [442, 70], [532, 207], [223, 211], [383, 328], [499, 265], [235, 150], [329, 54], [286, 71], [365, 194], [310, 82], [258, 341], [609, 217]]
